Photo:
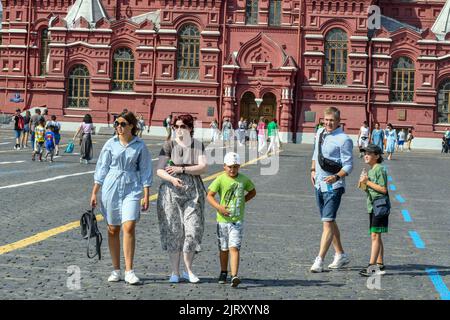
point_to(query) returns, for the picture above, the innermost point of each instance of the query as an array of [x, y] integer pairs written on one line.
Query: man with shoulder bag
[[331, 163]]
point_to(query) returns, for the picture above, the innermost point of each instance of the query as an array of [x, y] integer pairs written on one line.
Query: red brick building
[[219, 59]]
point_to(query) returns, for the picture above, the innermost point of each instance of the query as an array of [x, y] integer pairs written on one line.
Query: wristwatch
[[337, 177], [184, 169]]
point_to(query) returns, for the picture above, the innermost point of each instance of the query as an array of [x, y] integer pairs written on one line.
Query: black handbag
[[327, 164], [89, 229], [381, 206]]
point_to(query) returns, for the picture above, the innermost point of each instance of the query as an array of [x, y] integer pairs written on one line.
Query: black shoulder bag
[[327, 164], [89, 229], [381, 205]]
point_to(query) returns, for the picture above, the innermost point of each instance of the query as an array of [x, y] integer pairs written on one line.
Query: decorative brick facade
[[283, 65]]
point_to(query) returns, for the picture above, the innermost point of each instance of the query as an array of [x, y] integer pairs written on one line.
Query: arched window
[[443, 106], [335, 68], [188, 59], [402, 88], [275, 12], [44, 52], [251, 12], [123, 70], [78, 94]]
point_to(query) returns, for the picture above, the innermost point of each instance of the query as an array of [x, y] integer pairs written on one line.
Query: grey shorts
[[229, 235]]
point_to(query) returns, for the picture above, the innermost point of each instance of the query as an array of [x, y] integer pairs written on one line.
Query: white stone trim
[[13, 31], [289, 68], [210, 50], [167, 48], [314, 36], [167, 31], [313, 53], [230, 66], [430, 58], [359, 38], [381, 56], [381, 40], [145, 48], [57, 29], [427, 41], [145, 31], [358, 55], [13, 46], [89, 30], [210, 33], [72, 44]]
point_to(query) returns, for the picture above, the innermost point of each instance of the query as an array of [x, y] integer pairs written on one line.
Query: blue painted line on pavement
[[439, 284], [418, 242], [393, 187], [389, 178], [400, 198], [406, 216]]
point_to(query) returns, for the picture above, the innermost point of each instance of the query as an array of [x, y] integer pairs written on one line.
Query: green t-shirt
[[271, 127], [232, 195], [378, 176]]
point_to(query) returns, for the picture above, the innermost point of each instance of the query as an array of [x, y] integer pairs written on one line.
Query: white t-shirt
[[401, 136], [364, 131]]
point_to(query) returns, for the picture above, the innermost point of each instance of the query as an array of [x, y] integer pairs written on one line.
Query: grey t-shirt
[[182, 155]]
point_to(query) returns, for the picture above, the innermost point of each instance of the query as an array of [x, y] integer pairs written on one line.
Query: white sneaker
[[131, 278], [317, 266], [191, 278], [339, 261], [115, 276]]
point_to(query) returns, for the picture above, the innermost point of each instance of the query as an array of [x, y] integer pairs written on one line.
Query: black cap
[[373, 148]]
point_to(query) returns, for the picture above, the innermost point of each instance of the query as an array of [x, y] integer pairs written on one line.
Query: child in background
[[39, 134], [231, 186], [50, 143]]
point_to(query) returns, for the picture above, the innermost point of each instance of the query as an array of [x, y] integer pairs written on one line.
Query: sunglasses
[[122, 124], [183, 126]]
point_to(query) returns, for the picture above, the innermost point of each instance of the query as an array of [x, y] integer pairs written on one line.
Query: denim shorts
[[17, 133], [229, 235], [328, 203]]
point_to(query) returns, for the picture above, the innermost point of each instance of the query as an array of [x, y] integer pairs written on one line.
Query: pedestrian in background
[[227, 132], [374, 183], [50, 143], [57, 132], [124, 174], [272, 132], [39, 139], [332, 161], [19, 125], [401, 139], [34, 122], [253, 136], [363, 138], [377, 136], [391, 139], [232, 187], [181, 197], [85, 131], [262, 140], [26, 129], [409, 139]]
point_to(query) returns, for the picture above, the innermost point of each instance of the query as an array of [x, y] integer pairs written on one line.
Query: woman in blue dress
[[124, 173], [378, 136], [227, 130], [391, 139]]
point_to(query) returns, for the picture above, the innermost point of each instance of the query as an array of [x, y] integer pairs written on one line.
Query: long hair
[[187, 120], [131, 119]]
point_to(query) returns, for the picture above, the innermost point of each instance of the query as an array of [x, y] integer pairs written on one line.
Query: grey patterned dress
[[181, 210]]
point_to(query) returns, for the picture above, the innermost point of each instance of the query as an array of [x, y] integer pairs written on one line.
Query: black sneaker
[[235, 281], [381, 266], [223, 277], [368, 271]]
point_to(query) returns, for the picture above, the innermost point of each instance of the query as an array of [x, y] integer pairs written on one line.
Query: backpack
[[89, 229], [20, 123]]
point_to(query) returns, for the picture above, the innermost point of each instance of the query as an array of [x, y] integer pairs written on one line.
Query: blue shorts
[[401, 143], [328, 203], [17, 133]]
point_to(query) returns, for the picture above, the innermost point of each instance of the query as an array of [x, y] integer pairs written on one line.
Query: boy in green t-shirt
[[374, 183], [231, 186]]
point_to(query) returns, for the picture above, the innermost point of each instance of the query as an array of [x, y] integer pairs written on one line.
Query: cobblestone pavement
[[281, 239]]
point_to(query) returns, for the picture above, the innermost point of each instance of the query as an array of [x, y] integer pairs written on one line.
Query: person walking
[[167, 123], [332, 161], [363, 138], [26, 129], [214, 127], [231, 187], [227, 132], [19, 125], [401, 140], [57, 132], [39, 140], [377, 137], [124, 175], [34, 122], [253, 136], [242, 128], [391, 139], [272, 132], [374, 183], [409, 139], [181, 197], [140, 125], [50, 143], [85, 130], [261, 128]]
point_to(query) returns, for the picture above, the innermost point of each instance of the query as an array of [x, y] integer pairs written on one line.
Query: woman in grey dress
[[86, 129], [181, 197]]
